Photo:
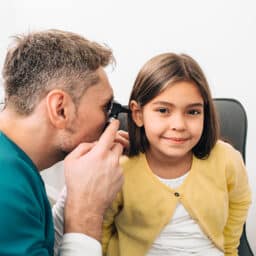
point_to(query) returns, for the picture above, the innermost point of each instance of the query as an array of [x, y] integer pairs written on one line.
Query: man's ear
[[60, 107], [136, 113]]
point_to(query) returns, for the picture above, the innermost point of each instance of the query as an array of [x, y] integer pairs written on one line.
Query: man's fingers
[[108, 136], [123, 134], [122, 138], [117, 149], [80, 150]]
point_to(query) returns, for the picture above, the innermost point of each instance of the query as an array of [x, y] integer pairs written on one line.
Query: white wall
[[221, 35]]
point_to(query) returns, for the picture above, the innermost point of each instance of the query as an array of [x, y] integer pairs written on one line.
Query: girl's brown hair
[[155, 75]]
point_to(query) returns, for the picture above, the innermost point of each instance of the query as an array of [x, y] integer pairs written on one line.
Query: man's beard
[[63, 154]]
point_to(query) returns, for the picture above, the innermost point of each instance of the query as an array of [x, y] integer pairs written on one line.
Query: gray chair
[[233, 129]]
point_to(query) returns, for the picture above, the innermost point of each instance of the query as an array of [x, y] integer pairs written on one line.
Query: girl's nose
[[177, 122]]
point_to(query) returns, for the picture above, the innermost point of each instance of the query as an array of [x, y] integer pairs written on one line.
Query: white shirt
[[74, 244], [182, 236]]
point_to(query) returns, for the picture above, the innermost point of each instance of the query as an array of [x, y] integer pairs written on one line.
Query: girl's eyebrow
[[166, 103], [196, 105]]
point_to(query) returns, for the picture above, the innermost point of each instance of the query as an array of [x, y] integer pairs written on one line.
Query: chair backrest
[[233, 128], [233, 122]]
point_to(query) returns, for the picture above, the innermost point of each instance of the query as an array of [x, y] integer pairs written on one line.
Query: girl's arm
[[239, 202], [109, 228]]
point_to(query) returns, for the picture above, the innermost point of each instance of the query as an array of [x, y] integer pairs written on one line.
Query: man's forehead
[[102, 90], [108, 99], [101, 93]]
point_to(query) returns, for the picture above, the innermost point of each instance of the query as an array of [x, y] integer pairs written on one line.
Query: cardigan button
[[177, 194]]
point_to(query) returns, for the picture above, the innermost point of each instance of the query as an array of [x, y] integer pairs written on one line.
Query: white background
[[219, 34]]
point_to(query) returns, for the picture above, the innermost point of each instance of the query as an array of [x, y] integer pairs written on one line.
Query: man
[[57, 98]]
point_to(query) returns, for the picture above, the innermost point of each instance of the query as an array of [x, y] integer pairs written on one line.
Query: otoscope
[[116, 109]]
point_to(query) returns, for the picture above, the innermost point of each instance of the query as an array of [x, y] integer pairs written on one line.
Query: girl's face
[[173, 120]]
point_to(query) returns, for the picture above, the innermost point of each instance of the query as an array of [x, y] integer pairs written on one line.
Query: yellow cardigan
[[215, 193]]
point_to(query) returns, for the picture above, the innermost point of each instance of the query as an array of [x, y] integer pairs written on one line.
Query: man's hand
[[93, 178], [122, 137]]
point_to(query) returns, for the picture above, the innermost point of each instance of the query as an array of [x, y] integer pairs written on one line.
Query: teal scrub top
[[26, 225]]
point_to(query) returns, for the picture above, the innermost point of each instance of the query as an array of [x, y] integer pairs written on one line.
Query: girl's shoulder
[[223, 157], [223, 146], [225, 150]]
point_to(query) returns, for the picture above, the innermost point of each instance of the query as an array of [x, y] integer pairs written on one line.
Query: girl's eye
[[194, 112], [163, 110]]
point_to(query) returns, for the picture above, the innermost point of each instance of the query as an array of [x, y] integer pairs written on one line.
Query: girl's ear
[[136, 113]]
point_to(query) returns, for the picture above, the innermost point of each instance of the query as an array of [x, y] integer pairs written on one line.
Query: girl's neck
[[169, 167]]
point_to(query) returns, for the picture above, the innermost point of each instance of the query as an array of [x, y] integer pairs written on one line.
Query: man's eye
[[107, 107]]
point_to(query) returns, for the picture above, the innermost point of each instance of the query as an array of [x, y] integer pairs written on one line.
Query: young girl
[[185, 191]]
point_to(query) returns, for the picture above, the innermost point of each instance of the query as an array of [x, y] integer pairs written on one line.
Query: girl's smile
[[175, 140]]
